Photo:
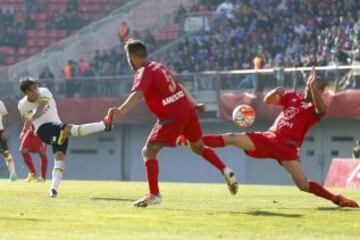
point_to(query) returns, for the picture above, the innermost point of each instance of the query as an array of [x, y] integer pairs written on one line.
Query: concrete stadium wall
[[117, 155]]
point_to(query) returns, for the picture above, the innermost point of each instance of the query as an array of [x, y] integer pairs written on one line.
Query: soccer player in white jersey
[[4, 150], [38, 107]]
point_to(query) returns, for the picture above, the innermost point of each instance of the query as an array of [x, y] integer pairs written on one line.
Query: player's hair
[[27, 82], [136, 47]]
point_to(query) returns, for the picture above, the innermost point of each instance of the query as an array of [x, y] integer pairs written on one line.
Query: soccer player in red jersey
[[300, 111], [176, 112], [30, 143]]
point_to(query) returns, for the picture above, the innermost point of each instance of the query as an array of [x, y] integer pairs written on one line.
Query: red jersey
[[162, 92], [296, 118]]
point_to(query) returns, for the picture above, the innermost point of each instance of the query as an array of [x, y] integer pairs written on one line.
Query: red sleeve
[[142, 80], [285, 98]]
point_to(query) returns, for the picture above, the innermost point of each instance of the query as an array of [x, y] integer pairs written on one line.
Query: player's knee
[[197, 149], [148, 153], [24, 150], [6, 154], [42, 153], [59, 156]]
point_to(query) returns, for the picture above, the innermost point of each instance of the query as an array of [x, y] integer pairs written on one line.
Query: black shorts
[[49, 133], [3, 144]]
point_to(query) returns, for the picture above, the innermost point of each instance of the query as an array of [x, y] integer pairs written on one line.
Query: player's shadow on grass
[[112, 199], [273, 214], [20, 219], [335, 209]]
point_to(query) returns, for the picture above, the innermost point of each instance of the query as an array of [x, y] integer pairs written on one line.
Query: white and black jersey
[[49, 113], [48, 126], [3, 143], [3, 112]]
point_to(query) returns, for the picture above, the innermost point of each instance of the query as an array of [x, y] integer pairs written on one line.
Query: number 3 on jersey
[[171, 81]]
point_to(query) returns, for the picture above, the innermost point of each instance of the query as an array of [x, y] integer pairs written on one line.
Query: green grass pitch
[[103, 210]]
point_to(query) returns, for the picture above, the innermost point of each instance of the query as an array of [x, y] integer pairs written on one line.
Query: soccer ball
[[243, 116]]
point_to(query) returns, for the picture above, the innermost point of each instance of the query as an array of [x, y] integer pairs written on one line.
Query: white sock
[[57, 174], [10, 164], [86, 129]]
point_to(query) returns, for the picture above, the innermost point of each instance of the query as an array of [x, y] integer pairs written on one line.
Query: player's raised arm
[[273, 97], [200, 107], [134, 98], [316, 88]]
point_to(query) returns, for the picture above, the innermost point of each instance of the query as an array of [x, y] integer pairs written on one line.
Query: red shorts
[[32, 142], [166, 132], [270, 145]]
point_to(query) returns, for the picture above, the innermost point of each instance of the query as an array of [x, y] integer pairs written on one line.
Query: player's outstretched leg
[[152, 172], [85, 129], [29, 163], [57, 173], [43, 166], [240, 140], [209, 155], [296, 171]]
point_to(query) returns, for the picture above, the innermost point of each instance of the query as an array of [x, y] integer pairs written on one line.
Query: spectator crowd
[[286, 33], [281, 33]]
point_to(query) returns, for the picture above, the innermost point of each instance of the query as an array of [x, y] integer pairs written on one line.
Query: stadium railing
[[204, 85]]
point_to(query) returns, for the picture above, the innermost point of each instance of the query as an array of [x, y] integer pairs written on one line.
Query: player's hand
[[21, 135], [200, 107], [115, 112]]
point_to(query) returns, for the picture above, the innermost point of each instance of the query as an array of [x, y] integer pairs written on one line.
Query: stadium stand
[[285, 33], [192, 37]]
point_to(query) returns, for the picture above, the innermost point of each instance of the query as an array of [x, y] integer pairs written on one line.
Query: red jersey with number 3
[[296, 118], [162, 92]]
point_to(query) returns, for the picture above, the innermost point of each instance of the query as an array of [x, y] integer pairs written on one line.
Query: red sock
[[152, 171], [212, 158], [44, 165], [319, 191], [213, 140], [29, 163]]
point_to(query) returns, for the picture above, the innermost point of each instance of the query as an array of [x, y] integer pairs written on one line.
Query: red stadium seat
[[62, 33], [40, 25], [22, 51], [57, 8], [42, 34], [8, 51], [33, 51], [10, 60], [52, 34], [30, 33], [84, 8], [96, 8], [41, 42], [20, 58], [85, 16], [31, 42]]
